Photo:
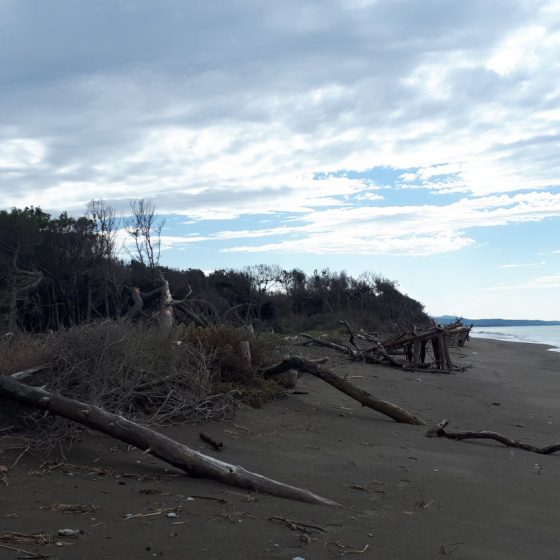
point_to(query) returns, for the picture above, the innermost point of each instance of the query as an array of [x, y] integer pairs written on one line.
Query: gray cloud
[[231, 107]]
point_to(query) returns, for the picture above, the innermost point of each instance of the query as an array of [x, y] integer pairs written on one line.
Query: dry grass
[[22, 351]]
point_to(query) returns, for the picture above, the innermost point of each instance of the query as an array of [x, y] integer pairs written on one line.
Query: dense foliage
[[63, 271]]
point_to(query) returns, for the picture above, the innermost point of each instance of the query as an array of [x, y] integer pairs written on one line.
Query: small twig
[[297, 525], [151, 514], [443, 550], [30, 555], [212, 498], [217, 445], [347, 550], [14, 464]]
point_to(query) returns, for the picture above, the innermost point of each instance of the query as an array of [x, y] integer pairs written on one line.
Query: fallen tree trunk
[[363, 397], [168, 450], [439, 431]]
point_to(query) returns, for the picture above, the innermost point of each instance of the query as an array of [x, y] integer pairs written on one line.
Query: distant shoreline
[[495, 322], [546, 335]]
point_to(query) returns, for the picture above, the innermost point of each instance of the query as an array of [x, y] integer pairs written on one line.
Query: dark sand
[[404, 495]]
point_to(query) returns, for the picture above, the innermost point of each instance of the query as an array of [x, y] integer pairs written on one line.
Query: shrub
[[153, 375]]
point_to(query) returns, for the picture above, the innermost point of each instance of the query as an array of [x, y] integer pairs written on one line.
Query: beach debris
[[421, 502], [210, 498], [363, 397], [153, 513], [217, 445], [72, 508], [161, 446], [250, 498], [362, 487], [233, 514], [68, 532], [28, 555], [344, 549], [17, 537], [4, 474], [150, 491], [447, 549], [413, 346], [439, 431], [297, 525]]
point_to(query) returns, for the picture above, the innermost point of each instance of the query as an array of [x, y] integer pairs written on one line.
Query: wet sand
[[403, 495]]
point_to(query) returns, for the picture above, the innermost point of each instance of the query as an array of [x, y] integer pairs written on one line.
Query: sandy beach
[[403, 496]]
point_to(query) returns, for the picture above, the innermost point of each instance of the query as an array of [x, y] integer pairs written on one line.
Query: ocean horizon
[[546, 334]]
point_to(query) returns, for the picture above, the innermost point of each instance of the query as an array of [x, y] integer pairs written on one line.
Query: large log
[[148, 440], [363, 397]]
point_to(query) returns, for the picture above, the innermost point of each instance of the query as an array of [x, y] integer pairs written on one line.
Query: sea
[[546, 334]]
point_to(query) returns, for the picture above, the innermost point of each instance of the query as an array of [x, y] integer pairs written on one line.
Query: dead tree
[[149, 441], [157, 304], [19, 283], [363, 397]]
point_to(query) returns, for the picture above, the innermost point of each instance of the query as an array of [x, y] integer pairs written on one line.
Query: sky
[[416, 139]]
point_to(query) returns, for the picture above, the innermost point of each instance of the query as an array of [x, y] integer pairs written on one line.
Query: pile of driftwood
[[427, 349]]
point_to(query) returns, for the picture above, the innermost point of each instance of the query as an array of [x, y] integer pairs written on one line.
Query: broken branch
[[439, 431]]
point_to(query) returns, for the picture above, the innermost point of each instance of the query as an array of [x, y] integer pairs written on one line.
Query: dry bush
[[137, 371], [21, 351], [152, 375], [223, 342]]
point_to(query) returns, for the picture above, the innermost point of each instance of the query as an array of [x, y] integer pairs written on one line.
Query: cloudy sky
[[418, 139]]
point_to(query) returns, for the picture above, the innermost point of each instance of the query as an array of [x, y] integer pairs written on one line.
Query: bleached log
[[168, 450]]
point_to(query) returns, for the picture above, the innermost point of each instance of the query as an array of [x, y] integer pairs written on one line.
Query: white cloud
[[214, 117], [547, 282], [407, 230], [21, 153], [524, 265]]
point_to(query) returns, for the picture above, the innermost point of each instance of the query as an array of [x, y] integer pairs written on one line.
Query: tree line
[[58, 272]]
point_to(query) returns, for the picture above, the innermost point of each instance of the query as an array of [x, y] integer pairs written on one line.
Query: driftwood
[[378, 350], [375, 354], [217, 445], [333, 345], [363, 397], [439, 431], [163, 312], [411, 345], [168, 450]]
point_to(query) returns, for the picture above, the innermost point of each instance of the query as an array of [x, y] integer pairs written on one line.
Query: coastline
[[524, 335], [403, 495]]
